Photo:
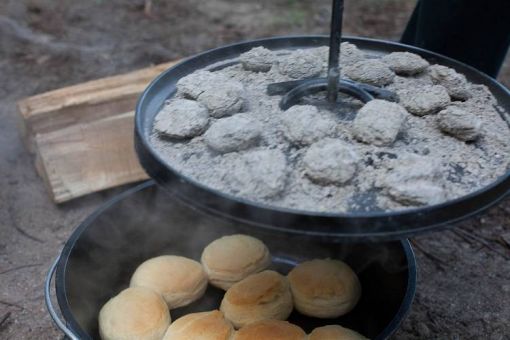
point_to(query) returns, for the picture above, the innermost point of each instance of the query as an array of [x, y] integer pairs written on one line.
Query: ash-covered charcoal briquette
[[402, 83], [303, 125], [330, 161], [257, 173], [405, 63], [181, 118], [350, 54], [379, 122], [370, 71], [299, 64], [258, 59], [424, 100], [417, 193], [193, 85], [322, 57], [414, 180], [459, 123], [224, 98], [455, 83], [234, 133]]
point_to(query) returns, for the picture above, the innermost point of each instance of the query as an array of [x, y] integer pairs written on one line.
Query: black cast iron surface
[[102, 253], [353, 225]]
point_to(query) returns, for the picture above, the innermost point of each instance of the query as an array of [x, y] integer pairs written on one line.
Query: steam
[[151, 222]]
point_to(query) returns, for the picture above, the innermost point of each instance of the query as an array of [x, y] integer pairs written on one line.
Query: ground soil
[[464, 273]]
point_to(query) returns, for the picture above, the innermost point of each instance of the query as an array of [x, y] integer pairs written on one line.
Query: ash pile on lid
[[444, 139]]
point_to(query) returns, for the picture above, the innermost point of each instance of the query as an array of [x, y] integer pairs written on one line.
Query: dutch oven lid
[[353, 225]]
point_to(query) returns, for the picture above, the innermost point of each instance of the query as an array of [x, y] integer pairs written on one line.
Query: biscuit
[[260, 296], [178, 279], [270, 329], [204, 326], [324, 288], [135, 313], [230, 259], [335, 332]]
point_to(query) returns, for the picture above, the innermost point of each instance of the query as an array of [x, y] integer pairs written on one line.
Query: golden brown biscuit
[[135, 313], [204, 326], [270, 329], [335, 332], [230, 259], [324, 288], [178, 279], [262, 296]]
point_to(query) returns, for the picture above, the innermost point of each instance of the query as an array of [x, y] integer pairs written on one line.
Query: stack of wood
[[82, 135]]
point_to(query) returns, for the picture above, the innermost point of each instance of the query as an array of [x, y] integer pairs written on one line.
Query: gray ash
[[270, 168]]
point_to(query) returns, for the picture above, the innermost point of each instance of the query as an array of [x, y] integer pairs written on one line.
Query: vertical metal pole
[[334, 50]]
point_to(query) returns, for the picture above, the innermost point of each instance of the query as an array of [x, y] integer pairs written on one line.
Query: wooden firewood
[[88, 157], [84, 102], [82, 135]]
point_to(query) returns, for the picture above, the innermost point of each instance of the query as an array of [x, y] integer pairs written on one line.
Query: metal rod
[[334, 50]]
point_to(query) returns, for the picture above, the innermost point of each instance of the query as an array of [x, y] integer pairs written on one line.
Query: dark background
[[464, 274]]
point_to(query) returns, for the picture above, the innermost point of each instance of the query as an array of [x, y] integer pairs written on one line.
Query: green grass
[[297, 15]]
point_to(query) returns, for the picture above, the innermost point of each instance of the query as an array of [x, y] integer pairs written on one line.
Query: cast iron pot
[[102, 253]]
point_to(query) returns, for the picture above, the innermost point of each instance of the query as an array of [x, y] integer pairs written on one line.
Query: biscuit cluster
[[256, 303]]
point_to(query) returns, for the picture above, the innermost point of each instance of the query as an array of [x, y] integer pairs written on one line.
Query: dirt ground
[[464, 273]]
